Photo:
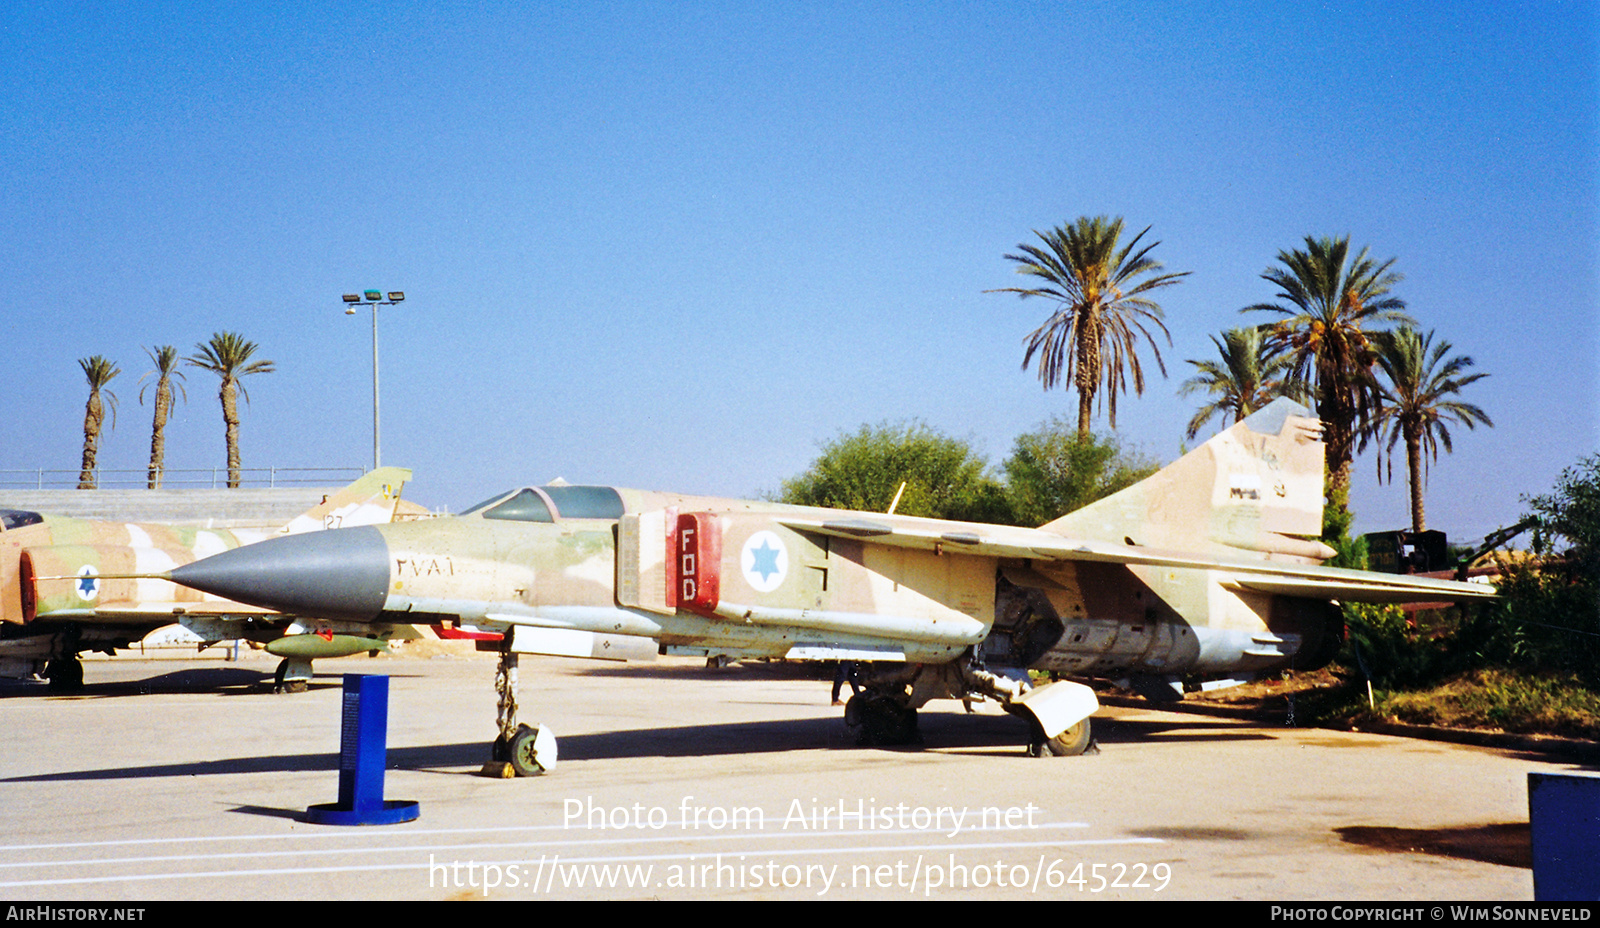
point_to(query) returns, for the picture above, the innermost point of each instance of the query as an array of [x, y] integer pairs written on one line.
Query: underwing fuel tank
[[338, 574], [319, 645]]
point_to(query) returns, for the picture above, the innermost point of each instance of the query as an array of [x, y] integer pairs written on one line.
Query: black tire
[[852, 713], [880, 720], [65, 675]]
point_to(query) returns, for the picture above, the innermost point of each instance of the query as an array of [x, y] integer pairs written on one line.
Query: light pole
[[373, 298]]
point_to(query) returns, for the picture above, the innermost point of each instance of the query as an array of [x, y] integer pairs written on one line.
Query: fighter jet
[[1209, 570], [62, 590]]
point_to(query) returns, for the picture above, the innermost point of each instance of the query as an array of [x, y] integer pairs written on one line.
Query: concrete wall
[[242, 508]]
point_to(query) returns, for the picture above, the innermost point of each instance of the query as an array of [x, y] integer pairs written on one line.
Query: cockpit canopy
[[17, 518], [547, 504]]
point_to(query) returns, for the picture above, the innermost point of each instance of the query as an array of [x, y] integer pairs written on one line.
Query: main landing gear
[[65, 672], [293, 676], [519, 750], [65, 675], [1077, 739], [885, 712], [879, 719], [1074, 740]]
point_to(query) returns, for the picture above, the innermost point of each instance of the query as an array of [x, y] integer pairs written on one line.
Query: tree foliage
[[228, 355], [98, 371], [1331, 303], [1546, 620], [1101, 290], [165, 359], [1251, 374], [1418, 404], [1548, 617], [1337, 519], [1050, 472], [944, 478], [1569, 520], [1053, 471]]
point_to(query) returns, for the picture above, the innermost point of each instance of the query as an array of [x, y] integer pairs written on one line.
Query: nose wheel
[[519, 750], [532, 751]]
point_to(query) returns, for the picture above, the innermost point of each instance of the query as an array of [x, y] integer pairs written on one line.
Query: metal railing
[[215, 478]]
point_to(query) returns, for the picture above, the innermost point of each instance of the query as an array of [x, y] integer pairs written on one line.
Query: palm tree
[[1250, 375], [165, 358], [1330, 299], [228, 356], [98, 371], [1101, 309], [1417, 404]]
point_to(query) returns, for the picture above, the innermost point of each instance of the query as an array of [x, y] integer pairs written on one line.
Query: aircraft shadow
[[1133, 731], [416, 758], [1003, 734], [222, 681], [981, 734], [231, 681]]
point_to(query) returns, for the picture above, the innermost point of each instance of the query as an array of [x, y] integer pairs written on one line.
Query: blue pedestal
[[363, 751], [1564, 815]]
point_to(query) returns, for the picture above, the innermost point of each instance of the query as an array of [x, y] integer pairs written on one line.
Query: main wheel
[[65, 674], [532, 751], [880, 720], [283, 683], [1070, 743]]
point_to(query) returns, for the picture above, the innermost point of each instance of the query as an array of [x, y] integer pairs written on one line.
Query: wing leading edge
[[1278, 577]]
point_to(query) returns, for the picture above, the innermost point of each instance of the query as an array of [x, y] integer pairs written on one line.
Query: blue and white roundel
[[88, 582], [765, 561]]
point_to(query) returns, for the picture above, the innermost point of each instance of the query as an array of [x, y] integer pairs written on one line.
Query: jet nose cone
[[336, 574]]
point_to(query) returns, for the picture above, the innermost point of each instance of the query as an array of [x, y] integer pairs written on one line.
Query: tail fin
[[1255, 487], [371, 500]]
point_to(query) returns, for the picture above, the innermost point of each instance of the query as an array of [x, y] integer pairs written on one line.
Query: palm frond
[[1102, 316], [1418, 405]]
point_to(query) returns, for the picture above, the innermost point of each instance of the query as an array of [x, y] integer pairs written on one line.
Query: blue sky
[[678, 245]]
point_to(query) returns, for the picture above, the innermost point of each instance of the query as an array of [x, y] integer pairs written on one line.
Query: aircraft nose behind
[[335, 574]]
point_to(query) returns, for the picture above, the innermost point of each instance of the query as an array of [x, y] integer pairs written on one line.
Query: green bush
[[944, 478], [1548, 615], [1052, 471], [1388, 648]]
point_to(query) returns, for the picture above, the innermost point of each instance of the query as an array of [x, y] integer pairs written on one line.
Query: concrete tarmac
[[163, 782]]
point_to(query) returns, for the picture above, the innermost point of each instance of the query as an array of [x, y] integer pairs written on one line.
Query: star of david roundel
[[88, 582], [765, 561]]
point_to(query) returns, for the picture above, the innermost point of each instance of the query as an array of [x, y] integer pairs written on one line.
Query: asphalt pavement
[[166, 780]]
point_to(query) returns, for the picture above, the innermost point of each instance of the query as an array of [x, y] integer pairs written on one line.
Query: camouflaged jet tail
[[1255, 490], [1244, 508], [371, 500]]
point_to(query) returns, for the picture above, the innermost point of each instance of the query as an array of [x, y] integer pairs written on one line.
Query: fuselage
[[719, 576]]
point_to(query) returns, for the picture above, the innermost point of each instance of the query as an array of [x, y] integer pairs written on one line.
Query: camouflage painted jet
[[56, 602], [1208, 570]]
